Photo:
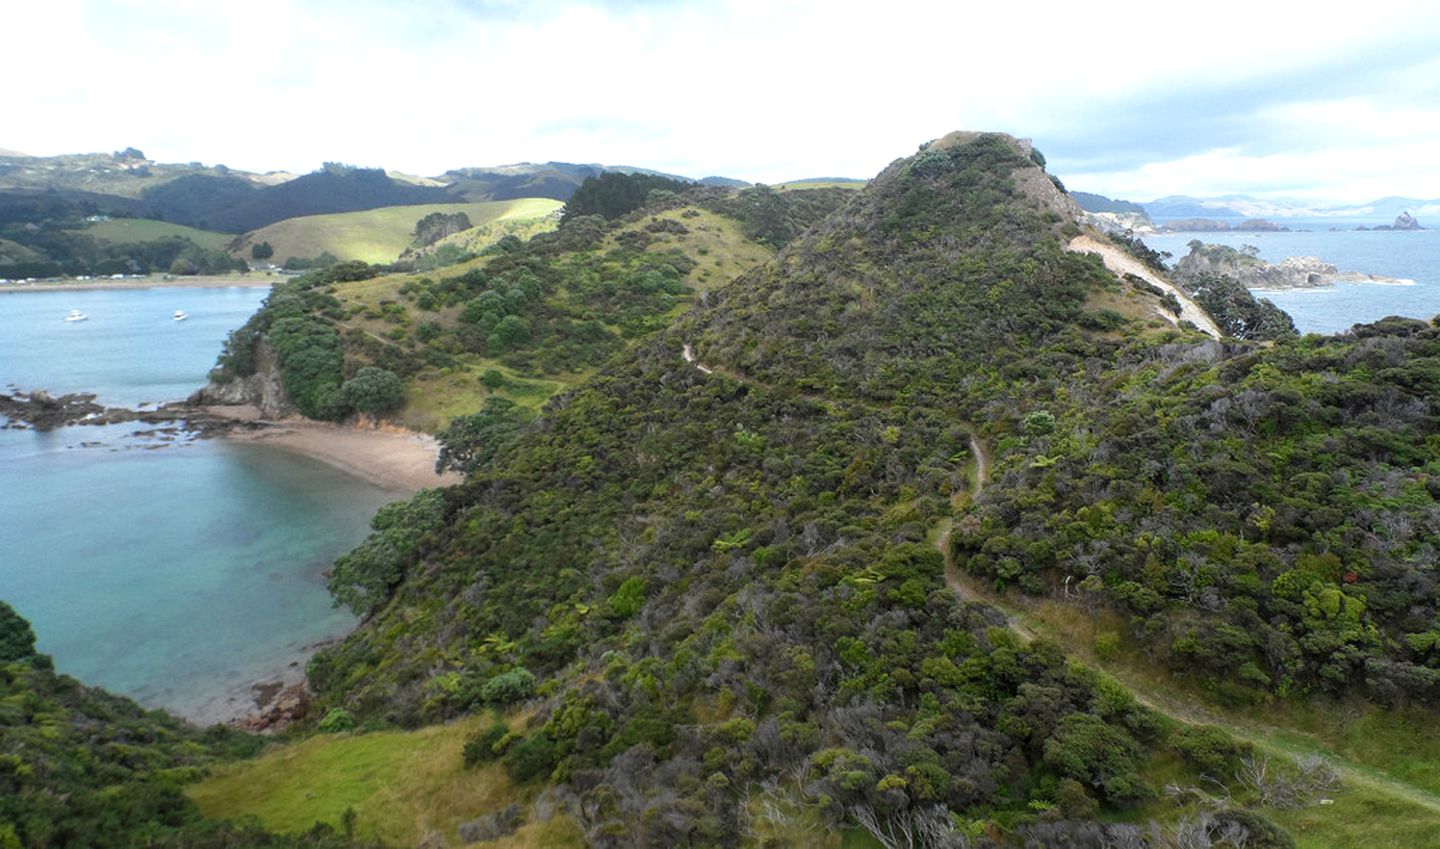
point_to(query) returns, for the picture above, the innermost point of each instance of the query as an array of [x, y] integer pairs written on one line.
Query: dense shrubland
[[1266, 516], [723, 587]]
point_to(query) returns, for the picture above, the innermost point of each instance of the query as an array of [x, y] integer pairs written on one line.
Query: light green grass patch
[[801, 185], [402, 786], [379, 235], [129, 231]]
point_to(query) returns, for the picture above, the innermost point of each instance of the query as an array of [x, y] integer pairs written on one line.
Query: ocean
[[1410, 255], [175, 570]]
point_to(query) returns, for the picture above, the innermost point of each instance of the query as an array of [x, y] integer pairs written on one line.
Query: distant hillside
[[556, 180], [235, 207], [128, 231], [376, 235], [1099, 203], [126, 173]]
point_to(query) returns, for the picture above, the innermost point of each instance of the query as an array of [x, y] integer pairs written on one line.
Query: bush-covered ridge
[[721, 584], [1265, 515]]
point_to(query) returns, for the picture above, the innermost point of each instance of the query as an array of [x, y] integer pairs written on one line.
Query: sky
[[1340, 103]]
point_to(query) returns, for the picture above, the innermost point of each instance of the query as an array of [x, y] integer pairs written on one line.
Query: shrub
[[480, 747], [512, 686], [337, 720]]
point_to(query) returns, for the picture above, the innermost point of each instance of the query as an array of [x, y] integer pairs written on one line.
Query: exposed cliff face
[[263, 389]]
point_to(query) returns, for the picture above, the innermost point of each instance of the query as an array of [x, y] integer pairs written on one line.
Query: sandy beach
[[387, 456], [255, 279]]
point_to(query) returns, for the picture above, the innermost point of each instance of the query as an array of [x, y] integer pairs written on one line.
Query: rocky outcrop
[[277, 710], [263, 390], [1124, 223], [1245, 266], [1406, 221], [39, 410]]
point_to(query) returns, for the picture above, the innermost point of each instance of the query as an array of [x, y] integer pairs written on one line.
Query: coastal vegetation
[[845, 517], [526, 318], [83, 769], [724, 582]]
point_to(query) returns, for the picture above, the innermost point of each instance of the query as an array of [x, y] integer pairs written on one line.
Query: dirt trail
[[1122, 263], [688, 353], [1264, 737], [964, 586]]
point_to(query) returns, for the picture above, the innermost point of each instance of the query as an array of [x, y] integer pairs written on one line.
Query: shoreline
[[392, 458], [389, 457], [259, 281]]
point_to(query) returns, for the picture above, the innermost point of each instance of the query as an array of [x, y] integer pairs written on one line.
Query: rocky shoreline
[[1245, 265], [41, 411]]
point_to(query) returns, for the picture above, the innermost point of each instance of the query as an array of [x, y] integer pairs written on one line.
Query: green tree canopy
[[470, 441], [17, 640], [373, 390]]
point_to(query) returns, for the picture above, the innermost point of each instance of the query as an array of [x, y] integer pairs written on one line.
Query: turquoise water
[[1406, 255], [175, 570]]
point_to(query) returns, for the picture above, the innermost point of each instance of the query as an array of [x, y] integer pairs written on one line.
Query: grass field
[[819, 184], [380, 235], [126, 231], [402, 786]]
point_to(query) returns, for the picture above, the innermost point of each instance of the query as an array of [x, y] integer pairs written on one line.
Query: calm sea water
[[175, 570], [1406, 255]]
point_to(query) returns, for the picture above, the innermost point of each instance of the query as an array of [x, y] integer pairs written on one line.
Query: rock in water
[[1406, 221]]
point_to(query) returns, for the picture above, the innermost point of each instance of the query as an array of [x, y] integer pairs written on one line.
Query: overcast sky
[[1339, 102]]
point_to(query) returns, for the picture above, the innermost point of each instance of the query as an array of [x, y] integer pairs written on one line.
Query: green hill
[[381, 235], [126, 231], [528, 320], [716, 573]]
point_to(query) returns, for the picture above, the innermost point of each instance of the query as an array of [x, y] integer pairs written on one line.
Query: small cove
[[174, 570]]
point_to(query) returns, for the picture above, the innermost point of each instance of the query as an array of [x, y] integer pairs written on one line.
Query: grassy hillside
[[381, 235], [571, 298], [124, 231], [403, 787]]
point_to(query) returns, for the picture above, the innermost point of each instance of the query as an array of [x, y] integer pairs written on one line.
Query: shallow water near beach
[[174, 570]]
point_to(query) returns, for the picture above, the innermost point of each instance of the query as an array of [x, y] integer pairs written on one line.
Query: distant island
[[1404, 221]]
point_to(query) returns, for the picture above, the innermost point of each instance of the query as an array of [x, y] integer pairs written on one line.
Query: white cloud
[[760, 90]]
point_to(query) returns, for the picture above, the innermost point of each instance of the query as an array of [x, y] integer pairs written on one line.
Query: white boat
[[180, 315], [76, 315]]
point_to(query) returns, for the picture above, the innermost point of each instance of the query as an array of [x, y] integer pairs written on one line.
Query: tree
[[470, 441], [17, 640], [373, 390], [261, 250]]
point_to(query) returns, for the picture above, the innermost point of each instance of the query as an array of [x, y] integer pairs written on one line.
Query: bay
[[1409, 255], [175, 570]]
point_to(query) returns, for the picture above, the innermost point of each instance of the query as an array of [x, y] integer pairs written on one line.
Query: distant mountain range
[[127, 183], [1243, 206]]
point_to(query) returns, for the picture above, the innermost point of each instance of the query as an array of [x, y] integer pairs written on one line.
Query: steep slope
[[719, 582]]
